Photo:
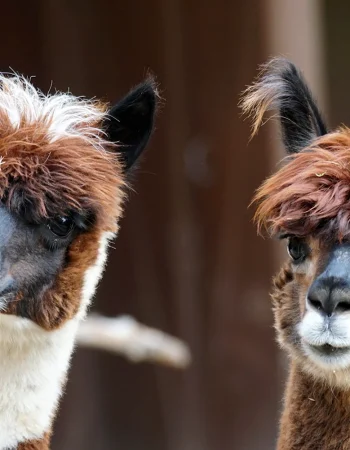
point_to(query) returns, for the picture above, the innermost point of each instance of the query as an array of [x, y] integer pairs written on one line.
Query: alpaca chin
[[326, 341], [34, 363]]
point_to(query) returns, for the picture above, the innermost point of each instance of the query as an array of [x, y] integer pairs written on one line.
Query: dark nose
[[330, 292], [329, 295]]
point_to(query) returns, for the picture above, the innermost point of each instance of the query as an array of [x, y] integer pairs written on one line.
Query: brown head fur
[[63, 167], [41, 179], [61, 158], [310, 195], [308, 202]]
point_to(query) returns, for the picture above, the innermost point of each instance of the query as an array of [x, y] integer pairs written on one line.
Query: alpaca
[[64, 163], [306, 203]]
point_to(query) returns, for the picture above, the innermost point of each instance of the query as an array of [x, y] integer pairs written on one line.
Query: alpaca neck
[[33, 367], [315, 416]]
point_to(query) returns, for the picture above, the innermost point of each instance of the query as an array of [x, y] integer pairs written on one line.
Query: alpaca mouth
[[326, 342], [329, 351]]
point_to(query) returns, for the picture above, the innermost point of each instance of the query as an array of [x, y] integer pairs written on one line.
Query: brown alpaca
[[307, 203], [63, 171]]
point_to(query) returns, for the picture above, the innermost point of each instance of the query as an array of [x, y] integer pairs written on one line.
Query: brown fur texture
[[61, 302], [308, 199], [41, 444], [45, 178], [63, 165], [316, 412], [315, 417], [288, 299], [310, 195], [41, 179]]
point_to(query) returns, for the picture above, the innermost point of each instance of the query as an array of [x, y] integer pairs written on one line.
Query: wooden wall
[[187, 259]]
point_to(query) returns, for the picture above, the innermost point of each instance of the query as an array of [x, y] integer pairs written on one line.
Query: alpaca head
[[63, 164], [307, 203]]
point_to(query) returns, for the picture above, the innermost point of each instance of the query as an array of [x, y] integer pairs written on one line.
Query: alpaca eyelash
[[282, 236], [53, 242]]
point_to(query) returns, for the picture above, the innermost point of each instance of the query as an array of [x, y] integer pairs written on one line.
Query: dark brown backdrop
[[187, 259]]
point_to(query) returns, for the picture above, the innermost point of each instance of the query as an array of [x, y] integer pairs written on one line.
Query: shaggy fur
[[280, 86], [317, 407], [310, 194], [316, 417], [317, 403], [62, 300], [309, 200], [49, 169], [42, 444], [54, 156], [41, 179], [63, 159]]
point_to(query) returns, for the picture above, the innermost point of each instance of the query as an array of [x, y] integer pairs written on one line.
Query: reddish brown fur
[[42, 444], [310, 198], [48, 178], [316, 417], [288, 298], [50, 171], [311, 194], [61, 302], [40, 179], [51, 178]]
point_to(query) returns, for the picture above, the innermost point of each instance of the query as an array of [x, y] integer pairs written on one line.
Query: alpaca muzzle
[[325, 327], [330, 292]]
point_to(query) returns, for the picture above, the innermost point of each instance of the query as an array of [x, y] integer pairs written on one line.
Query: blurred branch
[[125, 336]]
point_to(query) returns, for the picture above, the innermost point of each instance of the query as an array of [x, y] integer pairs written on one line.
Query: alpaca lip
[[329, 350]]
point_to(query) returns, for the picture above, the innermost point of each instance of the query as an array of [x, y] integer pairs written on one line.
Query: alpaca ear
[[130, 121], [282, 87]]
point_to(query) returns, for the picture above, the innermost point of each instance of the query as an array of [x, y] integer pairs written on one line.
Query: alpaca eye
[[297, 249], [60, 226]]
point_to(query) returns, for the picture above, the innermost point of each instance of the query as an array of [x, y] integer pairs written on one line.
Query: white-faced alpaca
[[307, 202], [63, 163]]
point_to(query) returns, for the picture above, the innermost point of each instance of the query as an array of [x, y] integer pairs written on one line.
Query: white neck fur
[[34, 363]]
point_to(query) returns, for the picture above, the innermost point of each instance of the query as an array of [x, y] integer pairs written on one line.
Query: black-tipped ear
[[282, 87], [130, 122]]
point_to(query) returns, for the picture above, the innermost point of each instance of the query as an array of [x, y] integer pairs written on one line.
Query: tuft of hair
[[54, 155], [280, 86], [310, 195], [62, 114]]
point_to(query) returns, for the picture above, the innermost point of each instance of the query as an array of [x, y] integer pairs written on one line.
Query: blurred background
[[187, 260]]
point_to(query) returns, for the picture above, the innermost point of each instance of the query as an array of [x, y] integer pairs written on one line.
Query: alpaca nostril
[[343, 306], [329, 298], [329, 294], [315, 303]]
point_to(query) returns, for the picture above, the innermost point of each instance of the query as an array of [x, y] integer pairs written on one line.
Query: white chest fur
[[34, 363]]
